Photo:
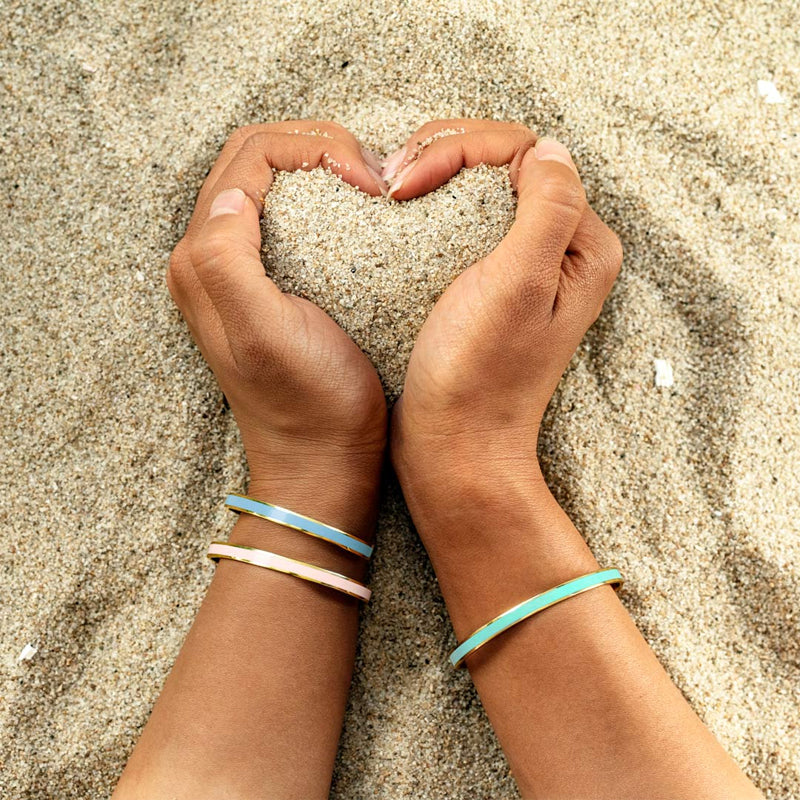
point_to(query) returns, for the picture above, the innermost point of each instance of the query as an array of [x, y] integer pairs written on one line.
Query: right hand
[[493, 349]]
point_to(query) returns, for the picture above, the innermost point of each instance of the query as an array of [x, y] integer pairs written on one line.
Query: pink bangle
[[289, 566]]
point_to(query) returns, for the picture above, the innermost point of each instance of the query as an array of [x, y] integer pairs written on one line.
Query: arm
[[254, 704], [580, 704]]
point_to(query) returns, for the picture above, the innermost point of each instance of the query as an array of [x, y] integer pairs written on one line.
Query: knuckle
[[561, 188], [178, 256], [259, 140], [240, 136], [615, 253], [603, 260], [176, 269], [529, 278], [258, 146], [210, 249], [473, 147]]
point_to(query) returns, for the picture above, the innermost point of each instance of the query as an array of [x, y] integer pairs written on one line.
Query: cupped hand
[[306, 399], [493, 349]]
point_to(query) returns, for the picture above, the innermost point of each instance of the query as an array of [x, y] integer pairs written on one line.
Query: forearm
[[579, 702], [254, 704]]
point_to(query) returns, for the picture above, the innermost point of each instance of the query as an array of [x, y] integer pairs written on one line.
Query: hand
[[307, 400], [313, 419], [493, 349]]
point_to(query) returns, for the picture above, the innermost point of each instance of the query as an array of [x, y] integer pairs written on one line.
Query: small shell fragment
[[769, 91], [28, 652], [664, 376]]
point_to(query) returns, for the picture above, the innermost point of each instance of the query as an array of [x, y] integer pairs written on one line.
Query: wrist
[[347, 500], [455, 483], [336, 486], [313, 469], [498, 560], [495, 536], [465, 454]]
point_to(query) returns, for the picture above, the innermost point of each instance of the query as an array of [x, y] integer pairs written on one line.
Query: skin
[[580, 704], [254, 705]]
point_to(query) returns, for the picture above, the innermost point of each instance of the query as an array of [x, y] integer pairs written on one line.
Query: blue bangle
[[532, 606], [290, 519]]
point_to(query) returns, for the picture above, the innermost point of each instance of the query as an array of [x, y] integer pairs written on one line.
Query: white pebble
[[28, 652], [769, 91], [664, 376]]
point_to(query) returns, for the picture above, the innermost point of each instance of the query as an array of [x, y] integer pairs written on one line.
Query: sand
[[117, 448], [375, 265]]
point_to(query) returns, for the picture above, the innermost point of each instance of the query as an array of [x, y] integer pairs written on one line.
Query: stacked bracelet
[[533, 606], [291, 519], [289, 566]]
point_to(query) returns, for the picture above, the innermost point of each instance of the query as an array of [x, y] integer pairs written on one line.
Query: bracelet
[[290, 519], [289, 566], [533, 606]]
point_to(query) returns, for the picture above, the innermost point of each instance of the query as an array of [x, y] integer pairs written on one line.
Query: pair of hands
[[487, 360]]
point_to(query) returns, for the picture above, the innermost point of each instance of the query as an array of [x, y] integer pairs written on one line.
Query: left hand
[[307, 400]]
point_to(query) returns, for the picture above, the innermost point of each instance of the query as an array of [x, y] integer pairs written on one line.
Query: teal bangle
[[533, 606], [291, 519]]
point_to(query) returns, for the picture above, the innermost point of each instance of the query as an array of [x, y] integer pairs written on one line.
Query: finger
[[263, 150], [298, 127], [433, 130], [226, 258], [550, 205], [589, 268], [244, 289], [444, 157], [196, 306], [251, 170], [225, 249]]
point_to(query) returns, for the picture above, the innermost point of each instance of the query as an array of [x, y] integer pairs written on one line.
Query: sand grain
[[117, 448]]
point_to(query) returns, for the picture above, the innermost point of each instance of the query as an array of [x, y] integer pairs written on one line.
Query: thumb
[[550, 204], [234, 217], [226, 257]]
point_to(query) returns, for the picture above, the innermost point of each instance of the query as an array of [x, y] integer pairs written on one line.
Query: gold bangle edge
[[616, 582]]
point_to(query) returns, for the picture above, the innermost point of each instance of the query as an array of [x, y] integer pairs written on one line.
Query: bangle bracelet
[[289, 566], [290, 519], [533, 606]]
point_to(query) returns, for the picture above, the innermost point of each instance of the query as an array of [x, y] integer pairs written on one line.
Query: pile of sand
[[117, 447], [375, 265]]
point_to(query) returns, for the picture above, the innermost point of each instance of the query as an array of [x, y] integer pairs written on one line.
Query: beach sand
[[117, 448]]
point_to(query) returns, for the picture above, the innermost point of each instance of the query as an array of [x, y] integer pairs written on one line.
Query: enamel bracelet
[[289, 566], [291, 519], [533, 606]]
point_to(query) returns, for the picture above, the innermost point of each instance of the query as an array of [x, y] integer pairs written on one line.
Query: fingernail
[[371, 159], [401, 178], [379, 180], [392, 162], [548, 149], [231, 201]]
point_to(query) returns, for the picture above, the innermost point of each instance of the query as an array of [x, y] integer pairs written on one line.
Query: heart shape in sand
[[377, 266]]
